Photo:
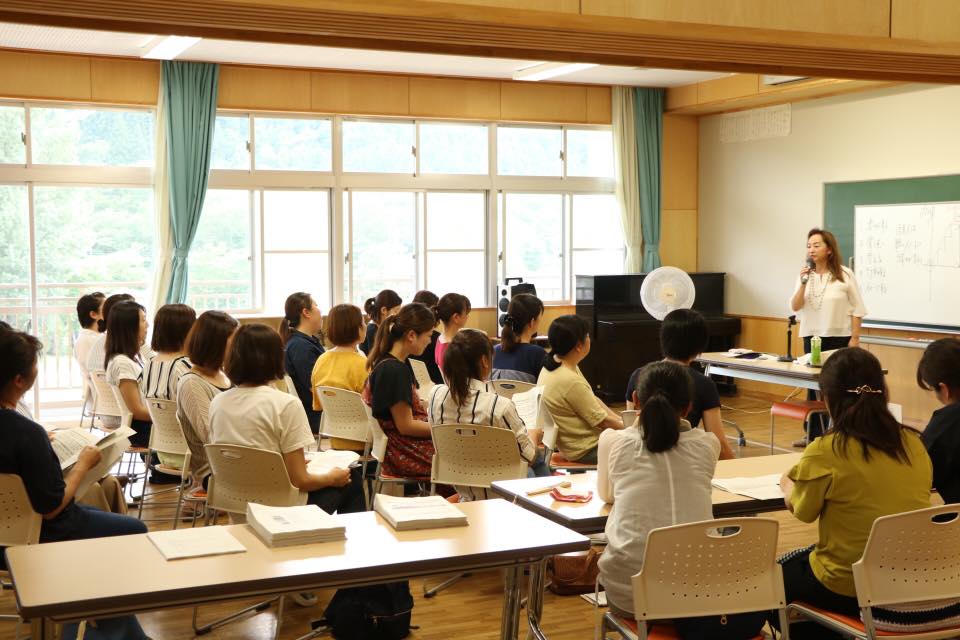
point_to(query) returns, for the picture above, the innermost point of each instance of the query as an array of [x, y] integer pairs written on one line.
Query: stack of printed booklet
[[288, 526]]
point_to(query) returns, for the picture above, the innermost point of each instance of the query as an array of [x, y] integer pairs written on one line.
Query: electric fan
[[666, 289]]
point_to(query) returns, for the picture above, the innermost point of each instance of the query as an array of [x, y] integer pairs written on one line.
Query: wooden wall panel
[[678, 239], [263, 88], [849, 17], [553, 6], [930, 20], [485, 318], [124, 81], [736, 86], [44, 75], [683, 96], [680, 160], [599, 105], [535, 102], [441, 97], [375, 94]]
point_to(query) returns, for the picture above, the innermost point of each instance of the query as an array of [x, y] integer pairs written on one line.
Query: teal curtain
[[190, 89], [649, 132]]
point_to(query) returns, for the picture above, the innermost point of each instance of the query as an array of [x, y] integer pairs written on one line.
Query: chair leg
[[771, 433], [449, 582], [254, 608]]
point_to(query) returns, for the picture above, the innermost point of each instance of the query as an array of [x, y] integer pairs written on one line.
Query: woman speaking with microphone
[[827, 302]]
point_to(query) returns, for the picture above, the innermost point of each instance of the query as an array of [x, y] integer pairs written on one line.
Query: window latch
[[23, 137], [413, 151], [346, 258]]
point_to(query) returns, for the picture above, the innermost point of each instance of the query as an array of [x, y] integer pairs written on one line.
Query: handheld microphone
[[810, 263]]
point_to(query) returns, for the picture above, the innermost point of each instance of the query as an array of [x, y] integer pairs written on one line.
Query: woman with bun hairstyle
[[386, 303], [580, 416], [467, 399], [391, 390], [429, 357], [453, 311], [939, 371], [655, 477], [299, 328], [516, 357]]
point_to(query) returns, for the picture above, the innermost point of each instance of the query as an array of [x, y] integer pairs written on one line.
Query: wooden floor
[[470, 608]]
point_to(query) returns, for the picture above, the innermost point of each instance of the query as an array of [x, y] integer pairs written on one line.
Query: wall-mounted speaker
[[507, 291]]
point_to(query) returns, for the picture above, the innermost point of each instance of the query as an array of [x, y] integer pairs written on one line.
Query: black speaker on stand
[[507, 291]]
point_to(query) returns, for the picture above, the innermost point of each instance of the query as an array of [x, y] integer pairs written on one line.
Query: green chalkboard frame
[[841, 198]]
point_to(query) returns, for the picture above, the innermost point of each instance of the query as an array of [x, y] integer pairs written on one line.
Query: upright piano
[[624, 336]]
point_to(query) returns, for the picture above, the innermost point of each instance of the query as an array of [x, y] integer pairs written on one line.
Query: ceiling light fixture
[[170, 47], [548, 70]]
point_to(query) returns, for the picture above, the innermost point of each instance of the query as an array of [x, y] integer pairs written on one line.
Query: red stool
[[798, 410]]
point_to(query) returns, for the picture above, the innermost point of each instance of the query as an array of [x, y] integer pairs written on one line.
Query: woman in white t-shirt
[[828, 304], [126, 333], [255, 414], [655, 478]]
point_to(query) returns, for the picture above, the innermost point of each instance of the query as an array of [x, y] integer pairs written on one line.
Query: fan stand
[[792, 320]]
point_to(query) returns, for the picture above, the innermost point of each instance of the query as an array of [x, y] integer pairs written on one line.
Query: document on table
[[193, 543], [757, 487]]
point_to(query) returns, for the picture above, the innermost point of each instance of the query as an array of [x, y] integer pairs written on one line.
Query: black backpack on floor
[[377, 612]]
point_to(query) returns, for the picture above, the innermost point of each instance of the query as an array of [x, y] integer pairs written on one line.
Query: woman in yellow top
[[342, 367], [866, 466]]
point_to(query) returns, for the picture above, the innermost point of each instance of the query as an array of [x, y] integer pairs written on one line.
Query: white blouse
[[649, 491], [829, 305]]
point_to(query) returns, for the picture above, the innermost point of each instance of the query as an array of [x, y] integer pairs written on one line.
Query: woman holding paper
[[25, 451]]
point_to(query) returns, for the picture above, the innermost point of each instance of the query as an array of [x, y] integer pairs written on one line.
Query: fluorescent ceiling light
[[170, 47], [547, 70]]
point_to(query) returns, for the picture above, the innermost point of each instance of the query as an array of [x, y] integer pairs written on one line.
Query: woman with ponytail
[[866, 466], [301, 323], [580, 415], [387, 303], [656, 474], [467, 399], [429, 355], [391, 390], [516, 357], [453, 311]]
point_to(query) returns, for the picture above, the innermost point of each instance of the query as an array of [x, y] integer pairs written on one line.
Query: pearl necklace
[[816, 297]]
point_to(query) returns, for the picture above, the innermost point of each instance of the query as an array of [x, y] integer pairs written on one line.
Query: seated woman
[[580, 416], [254, 414], [206, 348], [162, 371], [656, 477], [516, 357], [25, 451], [939, 371], [342, 367], [387, 303], [683, 337], [429, 355], [301, 323], [391, 391], [466, 399], [126, 333], [868, 465], [453, 312]]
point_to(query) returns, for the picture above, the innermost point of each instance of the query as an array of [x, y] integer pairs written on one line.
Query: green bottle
[[815, 351]]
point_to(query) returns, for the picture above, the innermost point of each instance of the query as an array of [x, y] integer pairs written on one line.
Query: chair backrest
[[289, 387], [19, 523], [345, 415], [422, 375], [910, 557], [379, 448], [106, 399], [166, 435], [545, 422], [507, 388], [712, 567], [245, 474], [629, 417], [475, 456]]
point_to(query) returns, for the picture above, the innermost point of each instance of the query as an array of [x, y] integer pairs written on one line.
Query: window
[[296, 247], [293, 144], [14, 256], [91, 137], [221, 268], [383, 243], [597, 236], [590, 153], [12, 132], [453, 148], [379, 147], [231, 135], [455, 244], [533, 247], [525, 151]]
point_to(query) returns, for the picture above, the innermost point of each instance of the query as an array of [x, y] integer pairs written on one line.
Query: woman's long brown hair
[[834, 262]]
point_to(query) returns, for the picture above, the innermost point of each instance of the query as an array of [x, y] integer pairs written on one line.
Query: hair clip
[[864, 388]]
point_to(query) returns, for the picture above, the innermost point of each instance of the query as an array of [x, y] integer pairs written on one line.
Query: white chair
[[166, 437], [714, 567], [507, 388], [424, 382], [108, 403], [473, 456], [909, 558], [629, 417], [241, 475], [345, 415], [555, 460], [19, 524]]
